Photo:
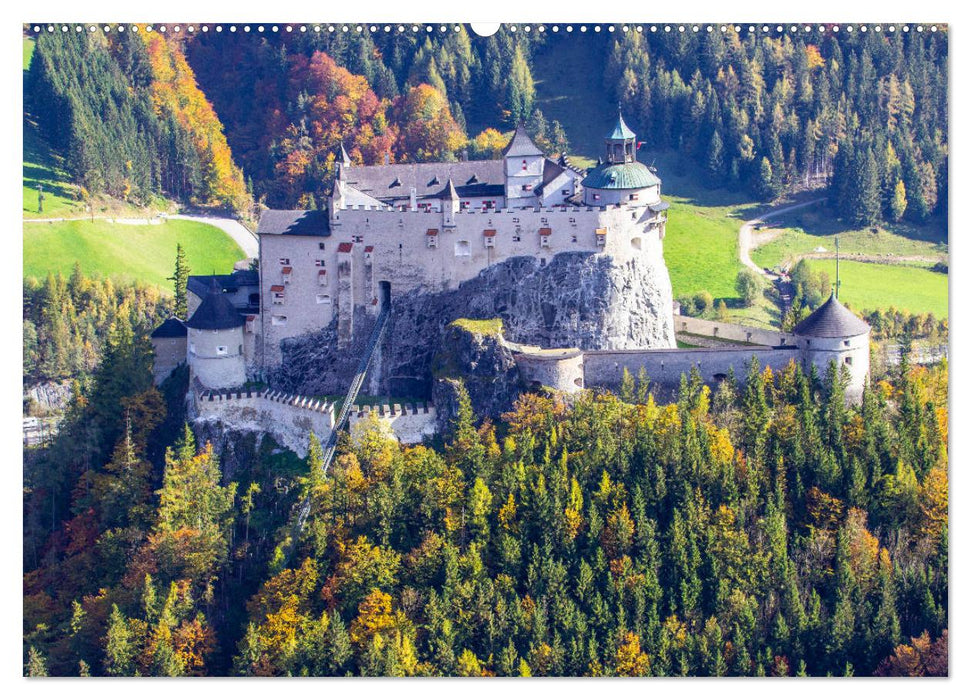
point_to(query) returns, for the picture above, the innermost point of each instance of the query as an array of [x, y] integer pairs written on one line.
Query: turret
[[833, 333], [215, 337], [524, 169], [619, 178], [450, 204]]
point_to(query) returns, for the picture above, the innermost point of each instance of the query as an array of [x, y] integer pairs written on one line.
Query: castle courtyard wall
[[605, 368], [410, 424]]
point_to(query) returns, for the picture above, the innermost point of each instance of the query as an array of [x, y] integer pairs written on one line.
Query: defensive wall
[[287, 417], [410, 423], [290, 418], [732, 332], [605, 368]]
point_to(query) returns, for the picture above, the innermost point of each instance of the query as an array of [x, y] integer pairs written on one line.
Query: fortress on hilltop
[[570, 260]]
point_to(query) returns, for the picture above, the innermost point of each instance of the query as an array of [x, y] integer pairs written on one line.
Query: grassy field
[[124, 252], [28, 51], [802, 232], [869, 286]]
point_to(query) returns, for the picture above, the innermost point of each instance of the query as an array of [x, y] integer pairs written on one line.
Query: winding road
[[745, 234], [243, 237]]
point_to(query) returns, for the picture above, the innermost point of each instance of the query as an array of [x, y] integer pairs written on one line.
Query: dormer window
[[601, 236], [544, 237], [287, 271]]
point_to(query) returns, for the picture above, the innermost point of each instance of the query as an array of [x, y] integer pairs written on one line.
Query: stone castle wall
[[169, 354], [733, 332], [605, 368], [410, 424], [287, 417]]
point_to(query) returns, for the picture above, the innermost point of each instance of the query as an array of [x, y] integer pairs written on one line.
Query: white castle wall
[[731, 331], [400, 255], [559, 369], [605, 368], [287, 417], [410, 424]]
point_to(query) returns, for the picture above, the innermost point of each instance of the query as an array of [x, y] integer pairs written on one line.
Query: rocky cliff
[[577, 300]]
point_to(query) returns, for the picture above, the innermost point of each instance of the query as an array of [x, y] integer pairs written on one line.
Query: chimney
[[387, 158], [465, 154], [413, 200]]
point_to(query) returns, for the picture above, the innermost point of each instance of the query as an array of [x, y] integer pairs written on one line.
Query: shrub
[[748, 284]]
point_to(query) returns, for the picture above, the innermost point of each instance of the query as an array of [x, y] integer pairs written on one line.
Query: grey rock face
[[577, 300]]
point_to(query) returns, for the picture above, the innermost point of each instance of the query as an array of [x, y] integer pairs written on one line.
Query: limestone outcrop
[[580, 299]]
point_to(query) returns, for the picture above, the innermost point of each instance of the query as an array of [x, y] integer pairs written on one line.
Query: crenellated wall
[[732, 331], [410, 423], [287, 417]]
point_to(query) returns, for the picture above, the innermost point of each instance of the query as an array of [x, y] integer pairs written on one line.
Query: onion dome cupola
[[619, 177]]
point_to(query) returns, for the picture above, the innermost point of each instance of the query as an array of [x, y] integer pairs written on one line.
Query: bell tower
[[621, 143]]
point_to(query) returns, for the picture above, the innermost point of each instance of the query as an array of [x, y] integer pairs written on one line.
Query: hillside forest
[[766, 527], [222, 118]]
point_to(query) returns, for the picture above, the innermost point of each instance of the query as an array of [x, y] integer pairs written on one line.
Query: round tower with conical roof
[[215, 339], [833, 333]]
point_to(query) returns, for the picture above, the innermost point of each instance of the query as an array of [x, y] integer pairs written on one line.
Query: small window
[[320, 263], [516, 238], [321, 246], [323, 298], [527, 188], [573, 238], [848, 360], [286, 261], [565, 192], [222, 350], [846, 343], [357, 239], [632, 197], [279, 320]]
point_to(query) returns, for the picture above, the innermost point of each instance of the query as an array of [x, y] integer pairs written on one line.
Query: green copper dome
[[620, 176], [621, 131]]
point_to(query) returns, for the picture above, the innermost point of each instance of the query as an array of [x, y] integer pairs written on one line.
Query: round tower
[[215, 337], [619, 178], [833, 333]]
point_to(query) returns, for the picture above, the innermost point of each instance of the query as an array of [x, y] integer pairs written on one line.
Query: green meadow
[[870, 286], [123, 252]]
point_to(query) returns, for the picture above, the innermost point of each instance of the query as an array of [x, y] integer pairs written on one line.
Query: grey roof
[[551, 171], [170, 328], [832, 320], [620, 176], [449, 192], [342, 156], [473, 178], [216, 312], [521, 145], [621, 130], [295, 222], [200, 284]]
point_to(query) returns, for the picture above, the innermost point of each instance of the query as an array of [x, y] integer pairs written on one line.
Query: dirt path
[[745, 243], [243, 237]]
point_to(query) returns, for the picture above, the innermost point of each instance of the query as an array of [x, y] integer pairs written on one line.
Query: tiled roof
[[216, 312], [432, 232], [521, 145], [294, 222], [199, 284], [345, 247], [277, 288], [473, 178], [489, 232], [832, 320], [170, 328]]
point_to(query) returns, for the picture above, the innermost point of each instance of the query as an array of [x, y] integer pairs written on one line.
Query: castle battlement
[[393, 410], [295, 400]]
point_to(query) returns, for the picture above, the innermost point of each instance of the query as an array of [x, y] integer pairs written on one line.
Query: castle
[[416, 229]]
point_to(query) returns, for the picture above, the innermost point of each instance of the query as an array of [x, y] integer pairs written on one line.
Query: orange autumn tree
[[428, 130], [176, 94]]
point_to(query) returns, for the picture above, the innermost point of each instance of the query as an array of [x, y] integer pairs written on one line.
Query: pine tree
[[180, 281]]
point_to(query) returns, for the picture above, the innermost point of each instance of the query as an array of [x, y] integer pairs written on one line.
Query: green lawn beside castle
[[123, 252], [870, 286]]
